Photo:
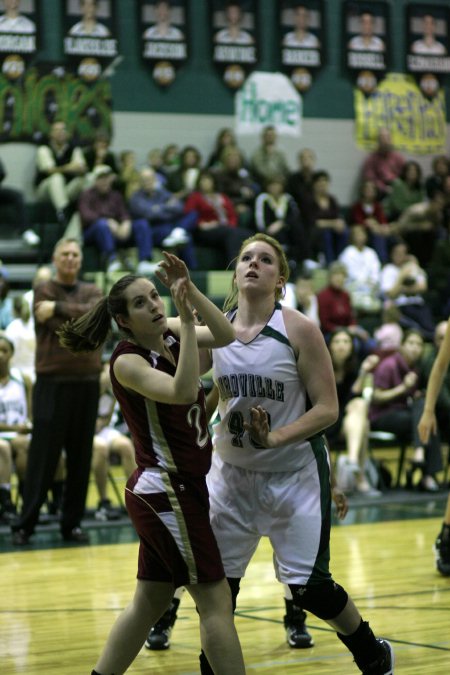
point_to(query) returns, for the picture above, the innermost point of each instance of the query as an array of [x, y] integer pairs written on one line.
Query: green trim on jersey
[[321, 569], [271, 332]]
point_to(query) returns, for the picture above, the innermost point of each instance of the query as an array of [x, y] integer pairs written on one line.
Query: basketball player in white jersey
[[270, 474]]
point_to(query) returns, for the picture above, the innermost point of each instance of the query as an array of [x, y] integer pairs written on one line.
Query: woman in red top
[[217, 218], [155, 373]]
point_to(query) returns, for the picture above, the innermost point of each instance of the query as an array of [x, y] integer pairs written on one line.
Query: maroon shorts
[[177, 543]]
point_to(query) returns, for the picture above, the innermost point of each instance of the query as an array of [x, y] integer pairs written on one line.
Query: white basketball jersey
[[13, 401], [260, 372]]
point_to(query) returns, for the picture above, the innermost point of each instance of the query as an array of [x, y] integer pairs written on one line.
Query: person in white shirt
[[301, 37], [14, 22], [428, 43], [366, 41], [89, 26], [163, 29], [233, 33], [363, 271]]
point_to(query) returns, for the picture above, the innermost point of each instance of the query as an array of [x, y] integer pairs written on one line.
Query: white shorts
[[108, 434], [292, 508]]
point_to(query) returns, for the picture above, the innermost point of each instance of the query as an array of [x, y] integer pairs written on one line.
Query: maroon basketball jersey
[[173, 437]]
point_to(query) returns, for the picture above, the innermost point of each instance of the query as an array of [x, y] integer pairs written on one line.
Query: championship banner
[[29, 105], [366, 42], [417, 124], [163, 31], [268, 99], [234, 42], [19, 34], [90, 44], [428, 45], [302, 40]]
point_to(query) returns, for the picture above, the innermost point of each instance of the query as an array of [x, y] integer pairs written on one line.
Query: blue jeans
[[99, 234], [162, 230]]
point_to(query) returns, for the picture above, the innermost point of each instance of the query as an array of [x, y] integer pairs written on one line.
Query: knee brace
[[325, 600]]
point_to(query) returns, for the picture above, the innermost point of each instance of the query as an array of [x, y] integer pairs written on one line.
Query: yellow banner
[[417, 124]]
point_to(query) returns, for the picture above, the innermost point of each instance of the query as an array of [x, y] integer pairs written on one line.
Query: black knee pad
[[325, 600]]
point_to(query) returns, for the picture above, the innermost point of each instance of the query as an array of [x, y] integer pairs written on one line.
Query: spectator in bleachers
[[216, 218], [100, 153], [403, 283], [168, 225], [183, 180], [234, 180], [61, 170], [327, 231], [383, 165], [299, 183], [170, 158], [277, 214], [336, 311], [129, 178], [389, 333], [22, 334], [14, 198], [440, 170], [363, 271], [106, 223], [397, 405], [406, 190], [352, 424], [6, 303], [304, 297], [109, 440], [268, 161], [225, 139], [155, 162], [368, 211], [15, 426]]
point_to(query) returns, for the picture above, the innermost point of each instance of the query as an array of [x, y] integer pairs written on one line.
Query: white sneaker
[[114, 266], [31, 238], [178, 237], [146, 268]]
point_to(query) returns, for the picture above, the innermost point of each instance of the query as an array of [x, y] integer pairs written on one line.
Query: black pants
[[64, 415], [15, 199]]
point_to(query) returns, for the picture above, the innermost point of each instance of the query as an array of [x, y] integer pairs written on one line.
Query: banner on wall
[[428, 45], [417, 123], [19, 36], [29, 105], [90, 44], [302, 40], [234, 41], [366, 42], [268, 99], [163, 31]]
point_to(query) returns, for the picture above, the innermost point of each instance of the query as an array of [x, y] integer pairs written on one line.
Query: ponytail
[[87, 333]]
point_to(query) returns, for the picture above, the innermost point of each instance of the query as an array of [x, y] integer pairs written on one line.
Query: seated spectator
[[61, 170], [383, 165], [352, 424], [389, 334], [170, 158], [277, 214], [106, 223], [169, 226], [235, 181], [155, 162], [216, 218], [108, 440], [129, 178], [368, 211], [15, 427], [268, 161], [225, 139], [183, 180], [403, 283], [99, 153], [6, 303], [405, 191], [336, 311], [363, 271], [397, 406], [326, 229], [303, 296], [14, 199], [22, 334], [299, 183], [440, 170], [422, 225]]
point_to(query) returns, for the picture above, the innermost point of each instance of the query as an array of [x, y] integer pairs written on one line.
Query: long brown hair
[[89, 332], [231, 299]]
